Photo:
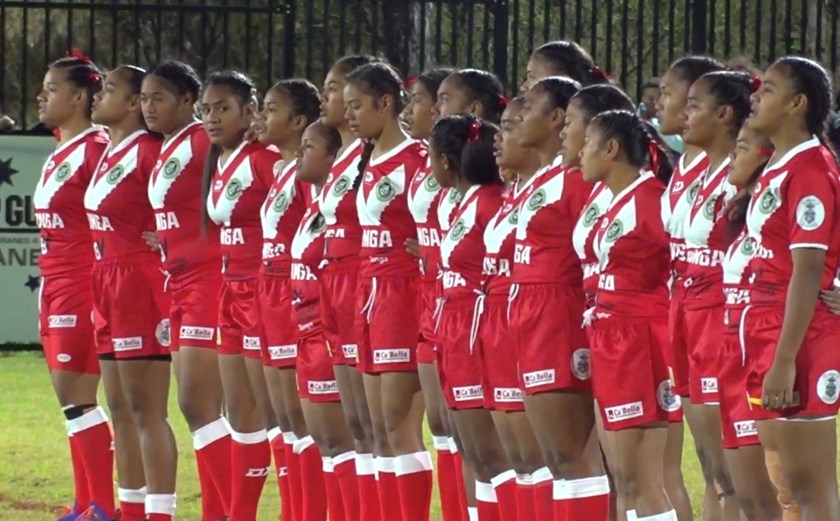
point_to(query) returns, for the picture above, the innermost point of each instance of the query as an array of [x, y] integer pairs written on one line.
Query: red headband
[[653, 149], [474, 132], [755, 82], [79, 55], [598, 74]]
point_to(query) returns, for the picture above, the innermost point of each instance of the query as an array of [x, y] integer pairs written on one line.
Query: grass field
[[35, 477]]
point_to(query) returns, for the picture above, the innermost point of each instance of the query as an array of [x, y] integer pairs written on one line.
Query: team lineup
[[542, 279]]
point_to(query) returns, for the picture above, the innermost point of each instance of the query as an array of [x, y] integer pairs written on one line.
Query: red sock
[[525, 507], [389, 492], [278, 449], [458, 463], [160, 507], [132, 504], [92, 436], [212, 455], [250, 457], [505, 487], [587, 498], [335, 507], [543, 492], [295, 479], [344, 466], [414, 482], [312, 476], [368, 487], [485, 499], [80, 488], [450, 504]]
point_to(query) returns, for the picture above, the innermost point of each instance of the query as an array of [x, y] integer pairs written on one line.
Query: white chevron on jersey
[[335, 189], [701, 218], [465, 222], [446, 208], [678, 198], [176, 153], [307, 233], [242, 178], [737, 259], [278, 200], [372, 205], [589, 217], [620, 225], [101, 183], [766, 201], [547, 193], [500, 227], [54, 176], [421, 194]]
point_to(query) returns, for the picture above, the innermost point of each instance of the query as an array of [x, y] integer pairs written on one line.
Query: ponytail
[[637, 139], [364, 159]]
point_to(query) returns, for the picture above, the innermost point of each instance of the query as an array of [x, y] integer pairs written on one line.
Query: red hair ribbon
[[474, 132], [504, 100], [766, 152], [79, 55], [409, 82], [755, 82], [94, 77], [598, 74], [653, 149]]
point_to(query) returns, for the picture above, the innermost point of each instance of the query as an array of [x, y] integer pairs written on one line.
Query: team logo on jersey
[[115, 174], [454, 196], [171, 168], [162, 333], [431, 184], [386, 190], [281, 203], [709, 207], [234, 189], [614, 230], [692, 192], [341, 186], [536, 200], [747, 247], [318, 224], [458, 230], [63, 171], [810, 213], [581, 366], [768, 201], [590, 215], [827, 386], [514, 216], [665, 397]]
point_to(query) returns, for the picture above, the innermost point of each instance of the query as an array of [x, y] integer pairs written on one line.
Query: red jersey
[[462, 248], [175, 194], [116, 203], [736, 276], [280, 215], [382, 204], [58, 201], [307, 252], [343, 235], [794, 205], [633, 253], [584, 235], [499, 244], [676, 202], [424, 196], [552, 201], [237, 192]]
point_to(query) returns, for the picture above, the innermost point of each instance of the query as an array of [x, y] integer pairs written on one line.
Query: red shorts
[[280, 326], [240, 329], [552, 346], [631, 380], [315, 374], [66, 323], [502, 391], [132, 310], [387, 324], [430, 299], [737, 419], [817, 386], [339, 283], [194, 312], [677, 356], [704, 332], [460, 360]]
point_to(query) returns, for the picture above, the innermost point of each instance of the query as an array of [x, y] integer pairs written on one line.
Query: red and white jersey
[[633, 253], [736, 273], [238, 190], [584, 235], [794, 205], [175, 189], [59, 203], [116, 203], [338, 205], [447, 204], [500, 243], [307, 252], [424, 196], [552, 201], [676, 202], [280, 215], [382, 203], [462, 248]]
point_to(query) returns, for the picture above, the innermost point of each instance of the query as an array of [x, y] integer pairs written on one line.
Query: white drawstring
[[166, 278], [478, 310], [514, 291], [589, 316], [741, 337], [367, 310], [438, 312]]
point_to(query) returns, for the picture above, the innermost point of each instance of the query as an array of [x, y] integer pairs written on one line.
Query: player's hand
[[412, 246], [777, 391], [152, 240], [831, 298]]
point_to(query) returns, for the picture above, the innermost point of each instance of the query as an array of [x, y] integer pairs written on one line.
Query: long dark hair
[[559, 89], [570, 59], [689, 68], [303, 97], [468, 143], [82, 73], [732, 89], [485, 89], [431, 80], [810, 79], [598, 98], [134, 78], [640, 148], [180, 77]]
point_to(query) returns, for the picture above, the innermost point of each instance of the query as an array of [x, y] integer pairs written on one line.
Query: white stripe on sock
[[541, 475], [485, 493], [249, 438], [347, 456], [327, 464], [440, 443], [365, 465], [670, 515], [303, 444], [90, 419], [127, 495], [588, 487], [561, 492], [210, 433], [503, 478], [160, 504], [274, 433]]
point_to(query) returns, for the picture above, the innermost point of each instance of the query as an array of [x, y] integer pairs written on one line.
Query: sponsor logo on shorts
[[827, 386], [465, 394], [709, 385], [350, 350], [581, 366], [625, 412], [391, 356], [162, 333], [131, 343], [61, 321], [322, 387], [282, 352], [257, 472], [507, 395], [536, 378], [745, 428], [196, 333], [665, 397], [251, 343], [63, 358]]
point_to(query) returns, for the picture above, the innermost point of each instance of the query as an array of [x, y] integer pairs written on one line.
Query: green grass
[[35, 474]]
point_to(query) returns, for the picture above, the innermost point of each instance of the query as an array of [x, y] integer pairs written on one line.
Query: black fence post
[[501, 12], [699, 31], [289, 40]]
